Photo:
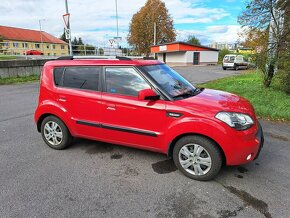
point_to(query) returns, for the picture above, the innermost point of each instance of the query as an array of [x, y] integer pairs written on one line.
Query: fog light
[[249, 156]]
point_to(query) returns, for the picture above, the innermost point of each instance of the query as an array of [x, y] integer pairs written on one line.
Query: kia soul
[[145, 104]]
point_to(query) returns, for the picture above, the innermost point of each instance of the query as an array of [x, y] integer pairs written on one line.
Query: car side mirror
[[148, 94]]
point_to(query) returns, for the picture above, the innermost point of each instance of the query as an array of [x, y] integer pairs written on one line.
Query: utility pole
[[40, 30], [68, 27], [117, 19]]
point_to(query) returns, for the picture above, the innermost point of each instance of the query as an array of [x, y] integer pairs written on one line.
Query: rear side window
[[82, 78], [57, 75]]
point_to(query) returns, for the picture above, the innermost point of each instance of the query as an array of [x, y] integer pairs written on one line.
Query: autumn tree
[[270, 16], [141, 31], [193, 40]]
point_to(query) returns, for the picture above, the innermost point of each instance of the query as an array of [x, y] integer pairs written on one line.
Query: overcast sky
[[95, 22]]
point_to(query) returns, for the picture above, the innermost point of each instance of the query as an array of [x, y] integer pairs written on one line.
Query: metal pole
[[117, 18], [41, 39], [155, 33], [68, 26]]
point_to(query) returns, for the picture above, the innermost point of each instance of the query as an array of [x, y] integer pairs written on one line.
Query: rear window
[[78, 77], [57, 74], [82, 77]]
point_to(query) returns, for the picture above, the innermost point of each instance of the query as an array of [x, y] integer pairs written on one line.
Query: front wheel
[[197, 157], [224, 68], [55, 133]]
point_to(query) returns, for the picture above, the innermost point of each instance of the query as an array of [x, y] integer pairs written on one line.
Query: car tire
[[55, 133], [192, 165], [224, 68]]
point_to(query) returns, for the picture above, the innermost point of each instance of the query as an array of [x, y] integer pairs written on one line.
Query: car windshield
[[170, 81], [229, 58]]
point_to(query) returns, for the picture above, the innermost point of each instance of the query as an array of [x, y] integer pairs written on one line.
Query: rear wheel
[[197, 157], [224, 68], [55, 133]]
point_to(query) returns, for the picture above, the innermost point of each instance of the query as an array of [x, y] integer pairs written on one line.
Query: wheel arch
[[43, 116], [173, 142]]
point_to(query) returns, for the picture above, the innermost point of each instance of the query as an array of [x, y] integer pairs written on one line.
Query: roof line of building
[[185, 43]]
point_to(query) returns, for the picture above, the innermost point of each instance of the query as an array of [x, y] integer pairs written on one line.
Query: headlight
[[236, 120]]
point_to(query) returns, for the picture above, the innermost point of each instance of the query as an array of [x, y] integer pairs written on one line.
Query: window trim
[[61, 86], [104, 87]]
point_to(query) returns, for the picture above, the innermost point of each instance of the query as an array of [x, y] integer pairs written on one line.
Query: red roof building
[[18, 41], [26, 35], [181, 53]]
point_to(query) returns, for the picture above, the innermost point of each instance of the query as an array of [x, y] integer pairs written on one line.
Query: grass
[[18, 79], [270, 103], [7, 57]]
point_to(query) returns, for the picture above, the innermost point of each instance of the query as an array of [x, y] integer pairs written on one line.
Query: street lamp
[[41, 39]]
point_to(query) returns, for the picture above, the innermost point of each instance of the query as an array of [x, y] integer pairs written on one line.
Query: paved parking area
[[94, 179]]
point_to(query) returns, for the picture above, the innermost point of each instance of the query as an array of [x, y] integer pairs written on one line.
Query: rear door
[[196, 58], [79, 92], [125, 119]]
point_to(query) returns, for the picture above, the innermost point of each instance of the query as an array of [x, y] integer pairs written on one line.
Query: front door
[[196, 58], [125, 119], [164, 57]]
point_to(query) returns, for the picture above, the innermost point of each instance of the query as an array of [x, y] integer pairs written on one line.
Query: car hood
[[213, 101]]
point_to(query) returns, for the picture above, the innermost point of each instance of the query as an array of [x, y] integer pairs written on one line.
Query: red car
[[33, 52], [146, 104]]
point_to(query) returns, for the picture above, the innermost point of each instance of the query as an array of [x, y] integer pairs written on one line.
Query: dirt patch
[[279, 137], [116, 156], [242, 169], [229, 213]]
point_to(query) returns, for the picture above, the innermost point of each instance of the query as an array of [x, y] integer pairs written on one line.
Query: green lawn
[[270, 103], [22, 79], [7, 57]]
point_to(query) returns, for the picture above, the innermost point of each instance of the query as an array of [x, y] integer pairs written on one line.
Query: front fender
[[200, 126]]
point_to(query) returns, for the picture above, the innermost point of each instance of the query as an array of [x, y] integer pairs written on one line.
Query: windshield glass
[[229, 59], [169, 80]]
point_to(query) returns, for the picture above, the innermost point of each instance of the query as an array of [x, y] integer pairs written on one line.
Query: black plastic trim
[[260, 136], [122, 129]]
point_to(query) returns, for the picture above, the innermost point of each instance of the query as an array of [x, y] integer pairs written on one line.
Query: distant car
[[33, 52], [146, 104], [235, 61]]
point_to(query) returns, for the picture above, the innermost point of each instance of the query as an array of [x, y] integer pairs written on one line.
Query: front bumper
[[245, 146], [260, 136]]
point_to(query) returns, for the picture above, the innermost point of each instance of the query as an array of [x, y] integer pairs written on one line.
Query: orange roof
[[179, 46], [27, 35]]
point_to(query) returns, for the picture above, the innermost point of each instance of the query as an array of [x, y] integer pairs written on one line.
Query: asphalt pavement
[[94, 179]]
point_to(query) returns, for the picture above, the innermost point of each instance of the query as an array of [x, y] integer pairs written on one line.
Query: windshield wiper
[[189, 93]]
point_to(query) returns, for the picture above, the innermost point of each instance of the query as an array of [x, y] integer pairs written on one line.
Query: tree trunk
[[269, 74]]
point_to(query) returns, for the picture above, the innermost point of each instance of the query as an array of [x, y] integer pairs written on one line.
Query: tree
[[269, 15], [63, 38], [193, 40], [141, 30], [222, 53]]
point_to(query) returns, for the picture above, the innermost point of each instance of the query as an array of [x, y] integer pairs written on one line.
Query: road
[[94, 179]]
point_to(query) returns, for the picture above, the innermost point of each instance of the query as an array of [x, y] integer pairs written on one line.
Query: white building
[[181, 53]]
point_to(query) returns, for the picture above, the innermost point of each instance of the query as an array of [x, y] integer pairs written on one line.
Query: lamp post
[[40, 30], [117, 19]]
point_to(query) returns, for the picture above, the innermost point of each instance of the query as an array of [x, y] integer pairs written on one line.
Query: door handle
[[62, 99], [111, 107]]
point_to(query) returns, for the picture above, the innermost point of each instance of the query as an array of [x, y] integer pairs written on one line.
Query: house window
[[24, 45], [47, 46], [6, 44], [53, 46], [37, 45], [15, 44], [62, 47]]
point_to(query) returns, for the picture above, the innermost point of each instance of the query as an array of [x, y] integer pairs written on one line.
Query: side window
[[124, 81], [82, 77], [57, 75]]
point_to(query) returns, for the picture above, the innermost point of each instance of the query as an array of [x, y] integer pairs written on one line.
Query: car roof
[[101, 62]]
